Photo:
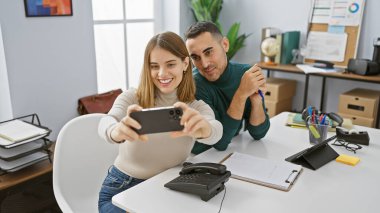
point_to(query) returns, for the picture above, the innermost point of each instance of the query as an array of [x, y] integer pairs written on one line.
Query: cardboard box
[[357, 120], [275, 107], [279, 89], [359, 102]]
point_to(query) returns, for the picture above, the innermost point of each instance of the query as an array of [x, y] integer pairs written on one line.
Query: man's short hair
[[201, 27]]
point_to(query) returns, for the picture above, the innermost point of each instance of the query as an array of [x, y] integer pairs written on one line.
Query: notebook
[[275, 174], [17, 130], [295, 120]]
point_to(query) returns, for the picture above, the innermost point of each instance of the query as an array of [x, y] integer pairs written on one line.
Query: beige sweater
[[145, 159]]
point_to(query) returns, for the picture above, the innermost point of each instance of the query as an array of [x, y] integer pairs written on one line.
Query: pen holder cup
[[317, 132]]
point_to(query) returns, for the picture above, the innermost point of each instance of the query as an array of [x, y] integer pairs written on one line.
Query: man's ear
[[225, 44]]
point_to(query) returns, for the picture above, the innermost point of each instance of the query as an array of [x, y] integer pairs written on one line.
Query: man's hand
[[252, 80]]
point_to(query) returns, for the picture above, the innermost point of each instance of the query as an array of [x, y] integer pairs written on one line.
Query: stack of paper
[[17, 130]]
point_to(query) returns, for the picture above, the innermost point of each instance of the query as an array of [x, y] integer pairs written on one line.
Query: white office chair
[[81, 161]]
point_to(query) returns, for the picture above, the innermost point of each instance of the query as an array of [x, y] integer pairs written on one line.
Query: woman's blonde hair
[[173, 43]]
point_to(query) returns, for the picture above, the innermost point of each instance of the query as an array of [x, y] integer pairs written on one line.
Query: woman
[[166, 80]]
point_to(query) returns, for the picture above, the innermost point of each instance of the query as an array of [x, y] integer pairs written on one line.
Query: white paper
[[338, 12], [17, 130], [311, 69], [278, 174], [321, 11], [346, 12], [9, 144], [326, 46]]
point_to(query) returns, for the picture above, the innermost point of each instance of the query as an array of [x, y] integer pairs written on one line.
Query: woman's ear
[[186, 62]]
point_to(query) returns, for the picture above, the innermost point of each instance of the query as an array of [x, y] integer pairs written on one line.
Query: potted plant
[[209, 10]]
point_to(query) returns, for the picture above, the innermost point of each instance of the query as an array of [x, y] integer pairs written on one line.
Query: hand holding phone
[[195, 124], [124, 130]]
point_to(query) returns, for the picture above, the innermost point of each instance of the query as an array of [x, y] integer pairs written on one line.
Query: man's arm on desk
[[258, 123]]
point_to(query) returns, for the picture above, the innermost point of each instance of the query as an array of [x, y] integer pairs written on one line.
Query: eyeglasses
[[349, 146]]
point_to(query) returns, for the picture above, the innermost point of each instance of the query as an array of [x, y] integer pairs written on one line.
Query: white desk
[[335, 187]]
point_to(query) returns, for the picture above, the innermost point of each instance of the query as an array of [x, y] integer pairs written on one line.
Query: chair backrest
[[81, 161]]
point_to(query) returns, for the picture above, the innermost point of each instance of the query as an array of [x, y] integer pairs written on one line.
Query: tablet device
[[315, 156]]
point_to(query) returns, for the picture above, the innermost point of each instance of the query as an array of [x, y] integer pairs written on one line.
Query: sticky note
[[349, 160], [339, 29]]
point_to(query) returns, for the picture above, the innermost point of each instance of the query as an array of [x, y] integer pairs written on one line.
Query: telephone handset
[[212, 168], [203, 179]]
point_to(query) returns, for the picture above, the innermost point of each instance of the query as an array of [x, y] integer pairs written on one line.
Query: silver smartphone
[[161, 119]]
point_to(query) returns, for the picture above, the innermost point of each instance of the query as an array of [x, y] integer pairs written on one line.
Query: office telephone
[[203, 179]]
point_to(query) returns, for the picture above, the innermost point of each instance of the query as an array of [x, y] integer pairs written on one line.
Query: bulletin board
[[353, 34]]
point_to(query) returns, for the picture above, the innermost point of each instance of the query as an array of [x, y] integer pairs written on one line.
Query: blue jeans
[[115, 182]]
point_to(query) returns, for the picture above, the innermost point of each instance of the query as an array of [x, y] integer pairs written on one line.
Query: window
[[122, 29]]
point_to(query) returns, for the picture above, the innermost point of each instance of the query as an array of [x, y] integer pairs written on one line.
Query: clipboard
[[315, 156], [274, 174]]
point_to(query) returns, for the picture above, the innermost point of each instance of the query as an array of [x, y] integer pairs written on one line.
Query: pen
[[261, 94], [313, 119], [323, 119], [309, 110], [320, 118]]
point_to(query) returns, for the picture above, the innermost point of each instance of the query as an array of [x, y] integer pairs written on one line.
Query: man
[[232, 90]]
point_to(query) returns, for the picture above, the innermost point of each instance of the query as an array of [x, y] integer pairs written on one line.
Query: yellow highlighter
[[349, 160], [314, 131]]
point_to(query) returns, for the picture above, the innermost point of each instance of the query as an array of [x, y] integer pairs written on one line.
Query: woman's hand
[[124, 129], [195, 125]]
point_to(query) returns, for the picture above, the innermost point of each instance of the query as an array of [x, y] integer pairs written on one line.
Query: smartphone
[[160, 119]]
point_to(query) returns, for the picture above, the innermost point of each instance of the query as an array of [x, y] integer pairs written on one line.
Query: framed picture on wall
[[39, 8]]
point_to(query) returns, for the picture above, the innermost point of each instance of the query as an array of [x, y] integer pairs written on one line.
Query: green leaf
[[233, 33], [215, 7], [237, 45]]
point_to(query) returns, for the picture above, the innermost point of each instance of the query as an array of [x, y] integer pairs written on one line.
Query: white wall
[[186, 17], [293, 15], [5, 98], [50, 61], [176, 16], [170, 15]]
